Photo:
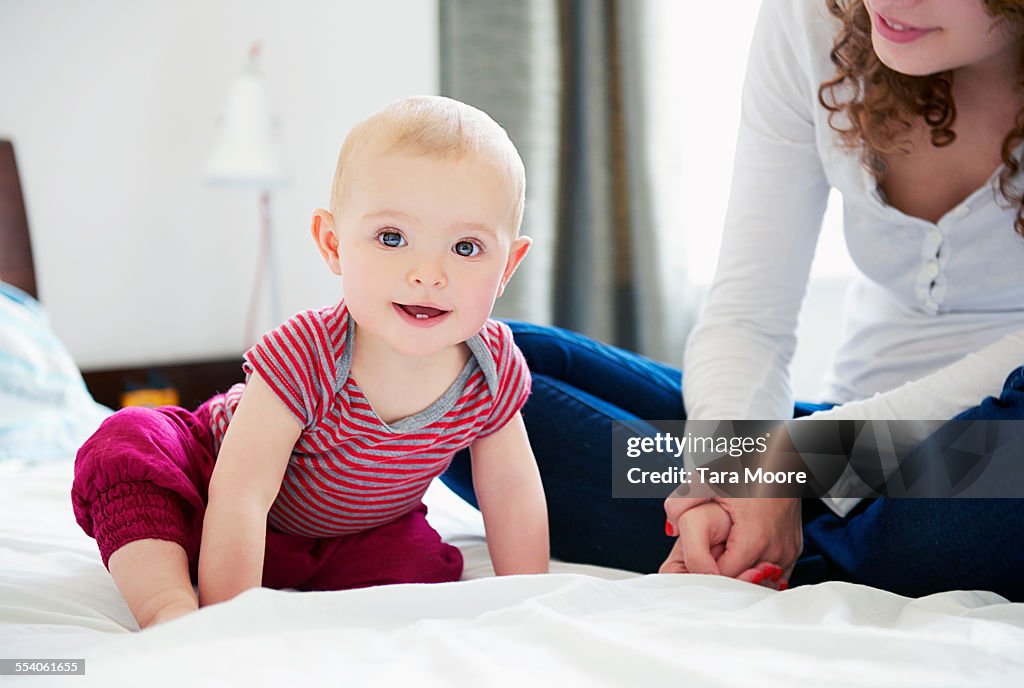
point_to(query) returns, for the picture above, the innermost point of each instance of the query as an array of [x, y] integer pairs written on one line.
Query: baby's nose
[[427, 274]]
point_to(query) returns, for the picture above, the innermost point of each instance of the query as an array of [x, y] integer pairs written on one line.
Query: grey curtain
[[569, 81]]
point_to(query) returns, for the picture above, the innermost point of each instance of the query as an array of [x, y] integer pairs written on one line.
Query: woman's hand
[[762, 530]]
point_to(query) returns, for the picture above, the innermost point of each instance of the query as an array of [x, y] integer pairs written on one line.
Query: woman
[[913, 110]]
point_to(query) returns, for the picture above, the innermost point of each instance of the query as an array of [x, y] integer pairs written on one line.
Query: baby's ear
[[326, 240], [515, 256]]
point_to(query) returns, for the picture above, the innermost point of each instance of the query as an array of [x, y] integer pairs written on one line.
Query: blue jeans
[[909, 546]]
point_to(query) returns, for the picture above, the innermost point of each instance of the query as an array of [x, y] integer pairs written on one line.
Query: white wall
[[112, 107]]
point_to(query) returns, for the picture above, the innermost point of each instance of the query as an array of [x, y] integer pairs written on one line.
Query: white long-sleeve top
[[934, 321]]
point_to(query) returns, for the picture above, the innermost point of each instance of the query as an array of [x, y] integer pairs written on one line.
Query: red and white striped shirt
[[349, 471]]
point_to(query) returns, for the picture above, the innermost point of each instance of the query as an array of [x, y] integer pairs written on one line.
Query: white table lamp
[[246, 156]]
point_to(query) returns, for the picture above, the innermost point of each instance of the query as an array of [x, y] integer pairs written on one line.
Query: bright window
[[698, 59], [697, 56]]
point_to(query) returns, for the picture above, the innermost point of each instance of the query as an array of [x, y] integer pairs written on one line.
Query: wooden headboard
[[16, 266]]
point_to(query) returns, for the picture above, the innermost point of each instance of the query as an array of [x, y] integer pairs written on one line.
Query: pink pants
[[145, 473]]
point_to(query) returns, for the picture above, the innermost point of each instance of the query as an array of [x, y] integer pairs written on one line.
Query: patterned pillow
[[46, 411]]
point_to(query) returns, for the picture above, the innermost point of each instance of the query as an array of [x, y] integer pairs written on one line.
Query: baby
[[310, 475]]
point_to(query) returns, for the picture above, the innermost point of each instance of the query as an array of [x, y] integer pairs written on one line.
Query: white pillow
[[46, 411]]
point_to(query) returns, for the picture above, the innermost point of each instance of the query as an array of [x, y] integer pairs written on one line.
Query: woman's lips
[[897, 32]]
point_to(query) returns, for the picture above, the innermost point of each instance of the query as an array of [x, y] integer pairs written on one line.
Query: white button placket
[[930, 286]]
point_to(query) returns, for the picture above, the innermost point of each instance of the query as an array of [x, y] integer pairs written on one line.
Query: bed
[[579, 625]]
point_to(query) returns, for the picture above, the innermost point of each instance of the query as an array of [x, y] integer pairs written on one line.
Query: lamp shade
[[246, 153]]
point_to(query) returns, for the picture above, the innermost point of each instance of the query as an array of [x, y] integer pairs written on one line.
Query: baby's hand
[[708, 518]]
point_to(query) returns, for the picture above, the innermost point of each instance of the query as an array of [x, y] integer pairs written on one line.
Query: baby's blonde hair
[[434, 126]]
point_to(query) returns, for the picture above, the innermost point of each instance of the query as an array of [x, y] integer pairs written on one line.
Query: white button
[[933, 269], [935, 236], [961, 211]]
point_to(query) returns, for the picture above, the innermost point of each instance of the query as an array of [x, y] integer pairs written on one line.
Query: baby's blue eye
[[391, 239], [466, 249]]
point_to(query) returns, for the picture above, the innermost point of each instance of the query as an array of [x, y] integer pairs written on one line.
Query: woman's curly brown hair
[[882, 102]]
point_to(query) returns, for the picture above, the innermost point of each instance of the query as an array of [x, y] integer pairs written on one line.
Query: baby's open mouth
[[421, 312]]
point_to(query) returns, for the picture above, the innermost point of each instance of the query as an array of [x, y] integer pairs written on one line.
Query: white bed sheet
[[580, 625]]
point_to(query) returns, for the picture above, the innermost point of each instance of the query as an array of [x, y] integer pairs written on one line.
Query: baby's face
[[424, 248]]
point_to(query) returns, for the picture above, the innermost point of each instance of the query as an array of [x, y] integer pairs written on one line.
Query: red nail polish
[[758, 577], [668, 528], [783, 585]]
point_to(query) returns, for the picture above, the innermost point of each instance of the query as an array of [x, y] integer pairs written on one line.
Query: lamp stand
[[266, 274]]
